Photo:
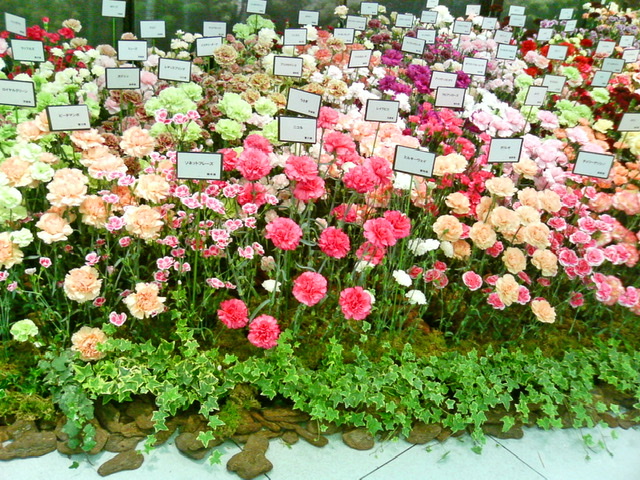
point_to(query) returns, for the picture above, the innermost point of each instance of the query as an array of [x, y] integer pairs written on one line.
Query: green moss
[[26, 406]]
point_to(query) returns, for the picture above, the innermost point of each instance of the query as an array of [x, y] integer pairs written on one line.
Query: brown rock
[[141, 414], [290, 437], [131, 429], [251, 462], [314, 439], [444, 435], [274, 427], [130, 460], [20, 427], [4, 434], [629, 419], [188, 444], [284, 415], [119, 443], [46, 425], [100, 438], [359, 439], [247, 424], [496, 431], [422, 433], [64, 448], [194, 423], [29, 444], [109, 417], [610, 420], [326, 428], [164, 435]]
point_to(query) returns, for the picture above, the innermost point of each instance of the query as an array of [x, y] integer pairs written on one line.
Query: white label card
[[516, 10], [205, 46], [432, 3], [506, 52], [429, 16], [257, 6], [571, 26], [557, 52], [535, 96], [308, 17], [427, 34], [605, 48], [413, 161], [297, 129], [360, 58], [590, 164], [462, 28], [413, 45], [381, 111], [565, 14], [15, 24], [442, 79], [17, 93], [614, 65], [214, 29], [152, 29], [369, 8], [132, 50], [122, 78], [356, 22], [517, 21], [489, 23], [473, 10], [545, 34], [554, 83], [502, 36], [347, 35], [630, 122], [505, 150], [287, 66], [295, 36], [114, 8], [27, 50], [474, 66], [601, 78], [626, 41], [630, 55], [199, 166], [305, 103], [174, 70], [405, 20], [68, 117], [450, 97]]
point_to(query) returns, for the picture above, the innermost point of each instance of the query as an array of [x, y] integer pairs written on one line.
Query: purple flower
[[391, 57]]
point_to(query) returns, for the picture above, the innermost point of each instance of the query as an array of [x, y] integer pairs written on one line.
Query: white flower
[[416, 297], [447, 248], [22, 237], [420, 246], [271, 285], [362, 265], [402, 181], [402, 278], [371, 295]]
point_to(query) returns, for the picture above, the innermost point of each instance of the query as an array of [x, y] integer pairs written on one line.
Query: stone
[[281, 414], [164, 435], [422, 433], [141, 414], [194, 423], [4, 434], [358, 439], [100, 438], [444, 435], [247, 424], [251, 461], [119, 443], [314, 439], [130, 460], [189, 445], [109, 417], [274, 427], [131, 429], [326, 428], [629, 419], [64, 448], [29, 444], [496, 431], [20, 427], [290, 437], [610, 420]]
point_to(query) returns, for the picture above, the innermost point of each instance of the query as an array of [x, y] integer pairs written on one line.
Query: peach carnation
[[85, 139], [507, 289], [448, 228], [458, 203], [85, 342], [143, 221], [53, 228], [10, 254], [82, 284], [153, 187], [500, 186], [514, 259], [550, 201], [505, 220], [545, 261], [446, 164], [145, 302], [536, 234], [482, 235], [17, 171], [137, 142], [94, 211], [543, 311], [67, 188]]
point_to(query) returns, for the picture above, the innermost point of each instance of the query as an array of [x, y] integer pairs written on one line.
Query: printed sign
[[506, 52], [489, 23], [198, 166], [472, 10], [257, 6], [297, 129], [174, 70], [450, 97], [68, 117], [413, 161], [152, 29], [554, 83], [295, 36], [347, 35], [601, 78], [17, 93], [122, 78], [505, 150], [535, 96], [360, 58], [356, 22], [132, 50], [517, 21], [557, 52], [565, 14], [626, 41], [114, 8], [15, 24], [381, 111], [545, 34], [413, 45], [429, 16], [474, 66], [205, 46], [369, 8], [590, 164], [516, 10], [287, 66], [614, 65], [462, 28], [442, 79], [27, 50], [405, 20], [305, 103], [308, 17], [502, 36], [630, 55], [605, 48], [630, 122], [432, 3], [427, 34], [571, 26], [214, 29]]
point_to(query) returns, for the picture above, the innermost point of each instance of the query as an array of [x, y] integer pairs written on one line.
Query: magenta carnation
[[253, 164]]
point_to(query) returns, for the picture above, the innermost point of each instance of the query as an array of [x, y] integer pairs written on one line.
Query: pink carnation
[[381, 168], [310, 189], [361, 179], [495, 302], [355, 303], [233, 313], [328, 117], [401, 223], [472, 280], [264, 331], [259, 142], [253, 164], [368, 252], [300, 168], [309, 288], [334, 242], [284, 233], [339, 143], [380, 232]]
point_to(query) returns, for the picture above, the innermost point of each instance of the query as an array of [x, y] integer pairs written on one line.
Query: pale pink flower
[[472, 280], [117, 319], [145, 302]]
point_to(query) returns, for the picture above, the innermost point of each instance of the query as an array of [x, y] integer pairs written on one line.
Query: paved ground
[[556, 455]]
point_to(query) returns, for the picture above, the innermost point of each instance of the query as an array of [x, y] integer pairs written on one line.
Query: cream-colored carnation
[[86, 139], [94, 211], [143, 221], [105, 165], [53, 228], [500, 186], [449, 164], [527, 168], [17, 171], [507, 289], [448, 228], [85, 342], [505, 220], [461, 250], [458, 203], [10, 254], [145, 302], [536, 235], [82, 284], [528, 214], [67, 188], [550, 201], [153, 187], [543, 311], [482, 235], [137, 142], [529, 197], [545, 261], [483, 208], [514, 260]]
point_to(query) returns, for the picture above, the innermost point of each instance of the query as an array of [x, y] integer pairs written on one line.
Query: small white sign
[[442, 79], [413, 161], [205, 46], [591, 164], [432, 3], [15, 24], [462, 28], [199, 166], [381, 111], [297, 129], [405, 20], [305, 103], [565, 14], [17, 93], [489, 23], [475, 66], [630, 55], [132, 50], [601, 78], [450, 97], [360, 58], [545, 34], [535, 96], [626, 41], [473, 10], [413, 45], [27, 50], [356, 22], [557, 52], [347, 35], [506, 52], [114, 8], [287, 66], [174, 70], [630, 122], [429, 16], [505, 150], [152, 29], [517, 21], [502, 36], [257, 6], [614, 65], [554, 83], [122, 78], [214, 29], [427, 34], [516, 10], [369, 8], [571, 26], [308, 17], [605, 48], [68, 117], [295, 36]]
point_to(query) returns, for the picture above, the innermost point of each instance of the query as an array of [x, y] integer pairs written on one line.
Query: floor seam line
[[516, 455], [388, 461]]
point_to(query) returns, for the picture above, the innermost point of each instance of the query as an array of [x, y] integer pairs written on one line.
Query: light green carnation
[[192, 133], [229, 129], [270, 132], [234, 107], [173, 99], [264, 106], [23, 330], [192, 90], [41, 171], [15, 214], [242, 30], [22, 237], [600, 95], [569, 114], [10, 197], [524, 81]]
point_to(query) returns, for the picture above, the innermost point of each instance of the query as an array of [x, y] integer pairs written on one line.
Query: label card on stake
[[554, 83], [571, 26], [347, 35], [205, 46], [427, 34], [297, 129], [308, 17], [122, 78], [502, 36], [473, 10], [432, 3], [68, 117], [605, 48], [475, 66], [516, 10], [462, 28], [214, 29], [614, 65], [506, 52], [174, 70], [590, 164], [356, 22], [413, 161], [15, 24], [152, 29], [17, 93], [630, 55], [360, 58], [545, 34], [257, 6], [405, 20], [565, 14], [450, 97], [505, 150], [27, 50], [429, 16], [535, 96], [413, 45], [557, 52], [489, 23], [442, 79], [626, 41], [287, 66], [630, 122], [369, 8], [295, 36], [601, 78], [132, 50], [305, 103], [114, 8], [198, 166], [381, 111], [517, 21]]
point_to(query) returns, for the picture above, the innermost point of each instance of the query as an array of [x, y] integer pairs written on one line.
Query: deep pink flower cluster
[[355, 303], [264, 332]]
